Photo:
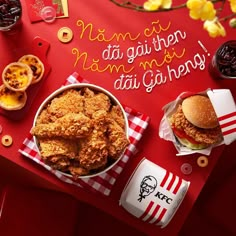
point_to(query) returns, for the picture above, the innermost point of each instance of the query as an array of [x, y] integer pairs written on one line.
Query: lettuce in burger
[[195, 123]]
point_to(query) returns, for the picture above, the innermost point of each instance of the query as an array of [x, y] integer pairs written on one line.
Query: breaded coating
[[99, 101], [44, 117], [77, 170], [117, 140], [58, 146], [59, 162], [93, 151], [88, 93], [80, 132], [207, 136], [69, 126], [100, 120], [69, 101], [117, 115]]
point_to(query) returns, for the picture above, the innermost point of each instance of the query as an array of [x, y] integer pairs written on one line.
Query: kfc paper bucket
[[153, 194]]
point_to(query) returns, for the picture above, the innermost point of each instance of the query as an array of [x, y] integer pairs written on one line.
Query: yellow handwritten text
[[95, 65], [167, 59], [156, 28], [100, 35]]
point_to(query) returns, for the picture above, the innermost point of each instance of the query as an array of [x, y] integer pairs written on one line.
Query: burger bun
[[199, 111]]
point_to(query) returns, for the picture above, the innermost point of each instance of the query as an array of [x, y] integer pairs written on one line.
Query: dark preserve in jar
[[10, 13], [224, 61]]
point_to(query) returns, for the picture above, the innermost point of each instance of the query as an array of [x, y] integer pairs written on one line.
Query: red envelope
[[34, 8]]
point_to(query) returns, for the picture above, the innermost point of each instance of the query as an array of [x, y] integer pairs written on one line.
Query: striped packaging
[[153, 194], [225, 108]]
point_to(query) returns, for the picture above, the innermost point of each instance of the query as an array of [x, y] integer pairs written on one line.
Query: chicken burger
[[195, 123]]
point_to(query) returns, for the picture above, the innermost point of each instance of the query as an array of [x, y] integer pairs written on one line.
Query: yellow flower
[[233, 5], [201, 9], [166, 4], [153, 5], [214, 28]]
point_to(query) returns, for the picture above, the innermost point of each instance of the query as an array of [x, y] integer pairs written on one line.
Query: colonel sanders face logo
[[147, 186]]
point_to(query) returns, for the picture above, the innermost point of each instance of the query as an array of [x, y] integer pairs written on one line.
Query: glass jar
[[10, 14], [223, 64]]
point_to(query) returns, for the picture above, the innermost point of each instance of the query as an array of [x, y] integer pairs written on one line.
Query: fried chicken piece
[[76, 170], [93, 151], [117, 140], [69, 126], [117, 115], [44, 117], [68, 102], [88, 93], [58, 147], [100, 120], [58, 162], [99, 101]]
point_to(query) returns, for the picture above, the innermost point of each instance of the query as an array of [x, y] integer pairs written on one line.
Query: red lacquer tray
[[39, 48]]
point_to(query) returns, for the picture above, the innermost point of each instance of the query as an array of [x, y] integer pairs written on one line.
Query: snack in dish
[[12, 100], [17, 76], [195, 123], [76, 131], [35, 65]]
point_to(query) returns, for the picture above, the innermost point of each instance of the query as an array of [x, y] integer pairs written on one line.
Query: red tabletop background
[[104, 20]]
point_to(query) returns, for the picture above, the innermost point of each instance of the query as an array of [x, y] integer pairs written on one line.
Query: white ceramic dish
[[93, 87]]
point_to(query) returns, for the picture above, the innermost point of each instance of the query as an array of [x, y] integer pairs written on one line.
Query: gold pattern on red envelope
[[35, 7]]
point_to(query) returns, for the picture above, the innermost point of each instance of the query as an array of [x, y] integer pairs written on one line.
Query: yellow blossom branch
[[203, 10], [132, 6], [227, 17]]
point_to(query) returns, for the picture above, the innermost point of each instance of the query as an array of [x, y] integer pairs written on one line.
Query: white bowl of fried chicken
[[81, 130]]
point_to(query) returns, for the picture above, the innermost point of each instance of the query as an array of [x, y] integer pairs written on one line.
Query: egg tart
[[12, 100], [17, 76], [36, 66]]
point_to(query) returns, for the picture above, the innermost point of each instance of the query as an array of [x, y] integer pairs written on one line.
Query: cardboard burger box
[[153, 194]]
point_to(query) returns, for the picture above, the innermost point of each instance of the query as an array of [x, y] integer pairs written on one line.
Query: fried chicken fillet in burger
[[195, 123]]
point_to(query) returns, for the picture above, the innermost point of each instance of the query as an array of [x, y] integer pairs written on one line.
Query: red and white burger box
[[153, 194]]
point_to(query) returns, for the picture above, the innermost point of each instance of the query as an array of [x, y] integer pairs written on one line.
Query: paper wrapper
[[225, 108], [153, 194]]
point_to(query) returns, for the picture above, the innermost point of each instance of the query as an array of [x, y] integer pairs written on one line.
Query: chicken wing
[[68, 102], [93, 151], [117, 115], [76, 170], [69, 126], [99, 101], [44, 117], [58, 147], [117, 140], [59, 162]]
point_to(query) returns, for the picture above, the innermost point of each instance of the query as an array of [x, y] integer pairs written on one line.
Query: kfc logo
[[147, 186]]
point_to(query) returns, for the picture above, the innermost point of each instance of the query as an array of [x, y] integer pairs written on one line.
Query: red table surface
[[110, 20]]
